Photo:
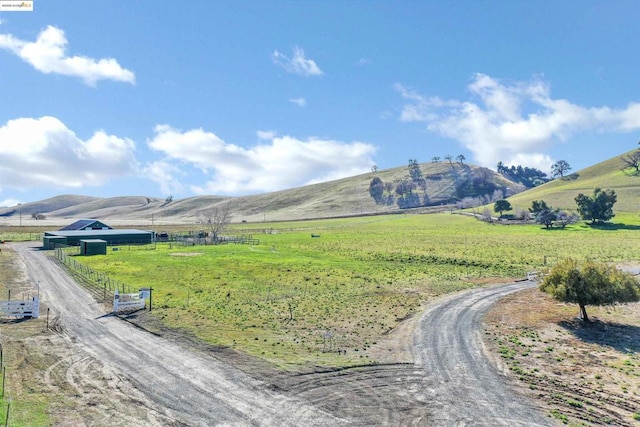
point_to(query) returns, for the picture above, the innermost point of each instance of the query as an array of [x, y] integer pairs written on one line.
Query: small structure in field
[[93, 247]]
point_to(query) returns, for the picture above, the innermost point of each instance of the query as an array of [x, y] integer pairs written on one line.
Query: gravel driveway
[[194, 389], [452, 382], [463, 387]]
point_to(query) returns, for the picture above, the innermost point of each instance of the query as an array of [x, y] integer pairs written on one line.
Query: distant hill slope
[[101, 208], [445, 182], [607, 174], [48, 205]]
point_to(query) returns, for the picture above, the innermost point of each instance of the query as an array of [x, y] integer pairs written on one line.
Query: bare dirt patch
[[584, 374], [187, 254]]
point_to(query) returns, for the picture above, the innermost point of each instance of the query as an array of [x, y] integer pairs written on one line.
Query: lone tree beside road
[[590, 283], [598, 208]]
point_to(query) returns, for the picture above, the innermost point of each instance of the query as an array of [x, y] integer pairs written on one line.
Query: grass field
[[298, 300]]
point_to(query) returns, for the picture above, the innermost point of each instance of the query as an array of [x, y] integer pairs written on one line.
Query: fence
[[20, 237], [99, 285], [192, 240]]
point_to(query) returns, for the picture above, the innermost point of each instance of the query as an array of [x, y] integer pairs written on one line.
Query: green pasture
[[299, 300]]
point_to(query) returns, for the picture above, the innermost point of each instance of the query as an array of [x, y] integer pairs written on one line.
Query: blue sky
[[142, 97]]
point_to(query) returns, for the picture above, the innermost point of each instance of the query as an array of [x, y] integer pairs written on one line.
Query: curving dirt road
[[451, 383], [463, 387]]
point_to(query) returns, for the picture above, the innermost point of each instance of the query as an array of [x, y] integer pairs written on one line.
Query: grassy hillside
[[607, 174], [344, 197], [98, 208], [48, 205]]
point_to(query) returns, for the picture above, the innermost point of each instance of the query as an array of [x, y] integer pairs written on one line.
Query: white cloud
[[47, 54], [513, 120], [44, 153], [297, 64], [266, 134], [300, 102], [283, 162], [8, 203], [164, 173], [364, 61]]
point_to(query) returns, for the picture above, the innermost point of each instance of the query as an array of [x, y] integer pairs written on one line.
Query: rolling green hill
[[607, 174]]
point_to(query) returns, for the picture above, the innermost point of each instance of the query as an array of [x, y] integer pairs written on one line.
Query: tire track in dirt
[[599, 401], [365, 395]]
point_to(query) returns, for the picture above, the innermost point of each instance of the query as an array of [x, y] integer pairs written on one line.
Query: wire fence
[[99, 285], [20, 237]]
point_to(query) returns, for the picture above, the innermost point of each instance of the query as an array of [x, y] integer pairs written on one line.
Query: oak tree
[[590, 283]]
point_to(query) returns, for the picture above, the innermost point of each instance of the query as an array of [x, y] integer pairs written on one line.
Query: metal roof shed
[[86, 224], [50, 242], [112, 237], [93, 247]]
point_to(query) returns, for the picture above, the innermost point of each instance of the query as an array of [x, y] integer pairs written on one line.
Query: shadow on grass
[[613, 226], [571, 177], [624, 338]]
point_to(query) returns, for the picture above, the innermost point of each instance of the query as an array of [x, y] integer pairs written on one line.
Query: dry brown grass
[[585, 374]]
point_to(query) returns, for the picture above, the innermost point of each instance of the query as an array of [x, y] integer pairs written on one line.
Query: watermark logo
[[16, 6]]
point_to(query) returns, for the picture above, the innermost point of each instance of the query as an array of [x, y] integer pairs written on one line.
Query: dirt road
[[190, 388], [463, 387], [451, 383]]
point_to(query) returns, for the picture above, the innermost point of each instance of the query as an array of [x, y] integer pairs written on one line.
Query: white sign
[[127, 301]]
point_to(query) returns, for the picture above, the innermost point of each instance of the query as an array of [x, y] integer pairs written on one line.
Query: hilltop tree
[[374, 168], [598, 208], [559, 168], [590, 283], [632, 161], [449, 158], [460, 158], [435, 159], [529, 177]]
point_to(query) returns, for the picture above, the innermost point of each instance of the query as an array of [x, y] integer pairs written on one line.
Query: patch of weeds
[[574, 403], [636, 416], [559, 416], [506, 352]]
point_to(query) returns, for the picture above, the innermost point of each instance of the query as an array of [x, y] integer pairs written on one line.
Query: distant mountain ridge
[[445, 183]]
